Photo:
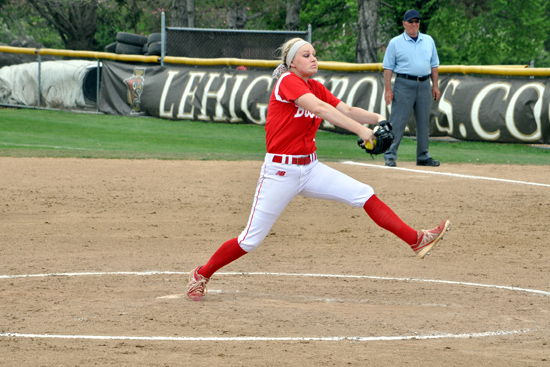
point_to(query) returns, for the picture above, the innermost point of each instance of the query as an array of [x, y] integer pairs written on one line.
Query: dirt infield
[[109, 243]]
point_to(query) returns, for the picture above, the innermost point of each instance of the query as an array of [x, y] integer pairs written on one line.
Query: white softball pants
[[279, 183]]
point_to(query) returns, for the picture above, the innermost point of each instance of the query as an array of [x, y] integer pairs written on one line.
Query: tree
[[391, 14], [367, 47], [501, 32], [292, 22], [237, 14], [470, 32], [190, 13], [19, 21], [334, 24], [182, 13], [75, 21]]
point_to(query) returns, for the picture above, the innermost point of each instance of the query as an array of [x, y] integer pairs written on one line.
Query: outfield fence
[[92, 90], [507, 104]]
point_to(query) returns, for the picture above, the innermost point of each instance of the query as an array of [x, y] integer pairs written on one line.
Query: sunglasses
[[414, 21]]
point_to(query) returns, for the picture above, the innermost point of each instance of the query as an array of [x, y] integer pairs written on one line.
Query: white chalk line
[[210, 291], [267, 338], [448, 174], [252, 338], [45, 146], [147, 273]]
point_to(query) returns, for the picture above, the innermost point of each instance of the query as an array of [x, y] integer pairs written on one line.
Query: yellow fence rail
[[504, 70]]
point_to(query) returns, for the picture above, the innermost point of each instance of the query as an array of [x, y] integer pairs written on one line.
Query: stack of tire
[[136, 44], [154, 44]]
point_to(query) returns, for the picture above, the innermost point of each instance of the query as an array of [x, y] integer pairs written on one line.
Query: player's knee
[[249, 246], [250, 242]]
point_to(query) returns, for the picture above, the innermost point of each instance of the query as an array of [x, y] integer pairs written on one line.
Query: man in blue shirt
[[412, 56]]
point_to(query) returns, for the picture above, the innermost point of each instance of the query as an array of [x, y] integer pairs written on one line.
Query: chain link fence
[[227, 43]]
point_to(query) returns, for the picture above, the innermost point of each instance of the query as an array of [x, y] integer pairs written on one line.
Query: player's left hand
[[383, 138]]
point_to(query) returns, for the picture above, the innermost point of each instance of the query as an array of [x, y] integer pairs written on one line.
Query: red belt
[[292, 160]]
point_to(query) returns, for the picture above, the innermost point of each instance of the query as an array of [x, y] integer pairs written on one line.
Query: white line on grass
[[447, 174]]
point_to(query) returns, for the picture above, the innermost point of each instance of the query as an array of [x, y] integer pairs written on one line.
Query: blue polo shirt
[[405, 56]]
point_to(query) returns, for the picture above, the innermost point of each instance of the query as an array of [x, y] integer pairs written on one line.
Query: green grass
[[45, 133]]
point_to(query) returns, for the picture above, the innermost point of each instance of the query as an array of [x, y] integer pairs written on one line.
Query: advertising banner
[[498, 109]]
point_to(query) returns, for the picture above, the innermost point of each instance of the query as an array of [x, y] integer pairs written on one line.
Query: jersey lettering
[[289, 128], [301, 112]]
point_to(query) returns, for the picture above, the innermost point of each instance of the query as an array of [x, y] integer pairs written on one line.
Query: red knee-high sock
[[382, 215], [227, 253]]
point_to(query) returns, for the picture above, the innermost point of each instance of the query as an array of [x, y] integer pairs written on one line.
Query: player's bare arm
[[325, 111], [360, 115]]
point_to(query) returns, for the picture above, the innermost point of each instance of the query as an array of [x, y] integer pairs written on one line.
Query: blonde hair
[[285, 48], [288, 51]]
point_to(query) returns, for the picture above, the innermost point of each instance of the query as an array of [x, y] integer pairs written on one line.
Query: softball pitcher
[[297, 106]]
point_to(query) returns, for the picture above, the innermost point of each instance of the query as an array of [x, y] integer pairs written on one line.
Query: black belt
[[411, 77]]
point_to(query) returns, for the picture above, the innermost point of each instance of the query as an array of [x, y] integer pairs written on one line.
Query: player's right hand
[[367, 135]]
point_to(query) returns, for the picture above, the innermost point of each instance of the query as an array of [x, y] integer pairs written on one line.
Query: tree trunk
[[292, 22], [190, 13], [178, 14], [74, 21], [366, 49], [237, 15]]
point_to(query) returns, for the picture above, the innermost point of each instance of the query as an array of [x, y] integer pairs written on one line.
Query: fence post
[[532, 65], [309, 32], [39, 80], [98, 76], [163, 39]]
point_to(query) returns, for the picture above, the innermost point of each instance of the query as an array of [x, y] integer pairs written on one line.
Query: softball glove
[[383, 138]]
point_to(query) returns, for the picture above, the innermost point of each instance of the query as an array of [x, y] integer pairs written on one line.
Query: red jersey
[[289, 128]]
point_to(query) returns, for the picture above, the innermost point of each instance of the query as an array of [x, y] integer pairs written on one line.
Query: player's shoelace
[[197, 286], [428, 238]]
